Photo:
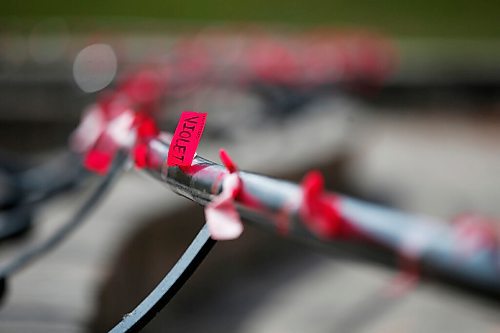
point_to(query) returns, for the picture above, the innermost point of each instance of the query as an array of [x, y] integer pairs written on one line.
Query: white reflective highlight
[[95, 67]]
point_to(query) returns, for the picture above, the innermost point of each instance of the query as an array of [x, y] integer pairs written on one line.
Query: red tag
[[186, 138]]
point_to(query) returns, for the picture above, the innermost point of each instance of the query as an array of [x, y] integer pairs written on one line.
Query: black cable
[[20, 184], [169, 286], [30, 254], [16, 222], [24, 189], [49, 179]]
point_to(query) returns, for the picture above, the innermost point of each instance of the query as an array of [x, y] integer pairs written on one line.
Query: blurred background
[[402, 99]]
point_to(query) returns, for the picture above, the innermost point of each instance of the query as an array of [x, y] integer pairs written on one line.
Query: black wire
[[159, 297], [23, 189], [31, 185], [16, 222], [48, 180], [169, 286], [30, 254]]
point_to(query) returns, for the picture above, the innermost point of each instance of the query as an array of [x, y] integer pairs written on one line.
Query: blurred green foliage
[[447, 18]]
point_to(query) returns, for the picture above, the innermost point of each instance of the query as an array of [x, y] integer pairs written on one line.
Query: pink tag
[[186, 138]]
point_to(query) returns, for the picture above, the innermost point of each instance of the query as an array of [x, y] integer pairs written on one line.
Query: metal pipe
[[272, 203]]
